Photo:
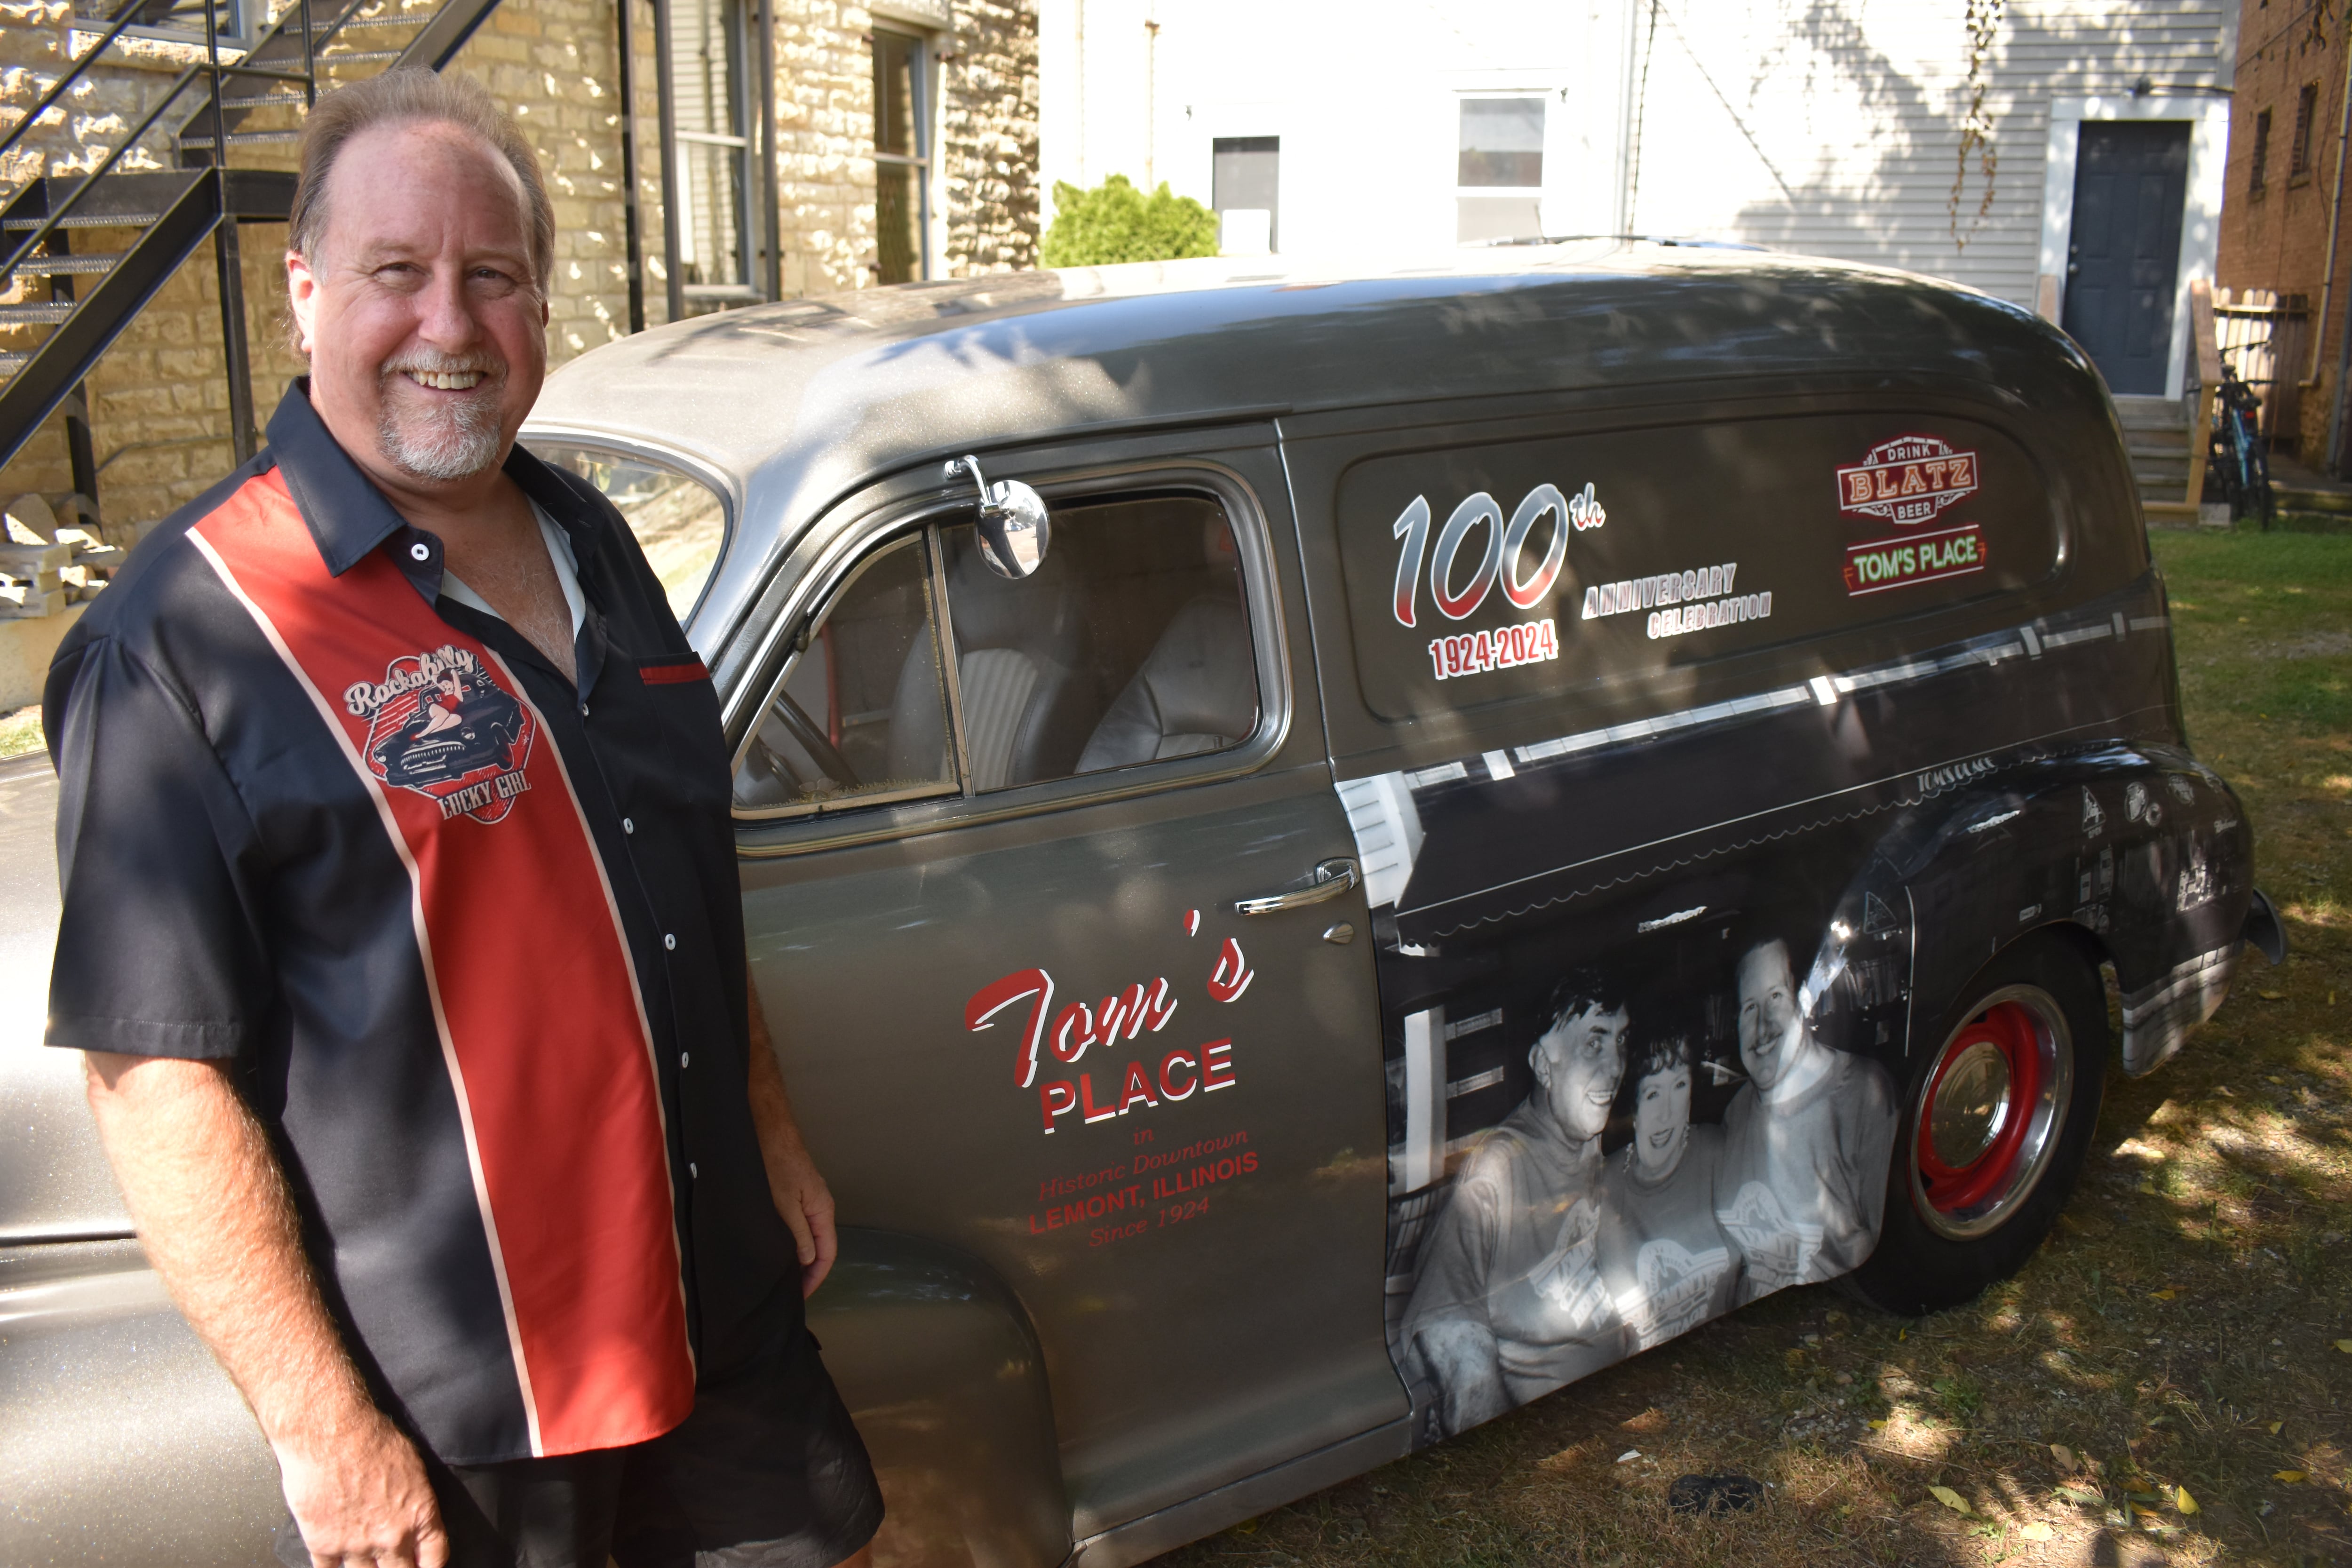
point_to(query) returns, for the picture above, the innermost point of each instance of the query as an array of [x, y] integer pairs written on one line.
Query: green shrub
[[1114, 222]]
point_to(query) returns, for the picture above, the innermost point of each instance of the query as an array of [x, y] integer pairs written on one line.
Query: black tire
[[1940, 1244]]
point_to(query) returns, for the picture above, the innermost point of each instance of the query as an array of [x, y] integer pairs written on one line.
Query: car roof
[[796, 404]]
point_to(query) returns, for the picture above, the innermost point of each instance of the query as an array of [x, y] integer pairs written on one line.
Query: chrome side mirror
[[1014, 529]]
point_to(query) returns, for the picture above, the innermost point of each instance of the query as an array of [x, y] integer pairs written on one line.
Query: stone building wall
[[2275, 236], [159, 400], [988, 139]]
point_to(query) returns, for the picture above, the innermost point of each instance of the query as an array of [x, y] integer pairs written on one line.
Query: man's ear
[[302, 297]]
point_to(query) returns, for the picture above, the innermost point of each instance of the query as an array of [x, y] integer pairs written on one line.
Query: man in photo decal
[[1509, 1303], [1806, 1138], [1667, 1262], [403, 936]]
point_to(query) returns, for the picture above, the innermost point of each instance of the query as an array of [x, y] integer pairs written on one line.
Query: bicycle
[[2240, 456]]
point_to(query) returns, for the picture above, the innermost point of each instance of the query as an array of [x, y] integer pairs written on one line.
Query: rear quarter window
[[1477, 573]]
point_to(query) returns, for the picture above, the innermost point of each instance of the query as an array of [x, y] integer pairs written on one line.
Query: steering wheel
[[813, 739]]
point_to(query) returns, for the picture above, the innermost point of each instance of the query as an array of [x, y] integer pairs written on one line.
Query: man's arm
[[800, 1194], [218, 1225]]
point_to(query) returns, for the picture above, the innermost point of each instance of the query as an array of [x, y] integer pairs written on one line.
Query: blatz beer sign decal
[[1908, 480]]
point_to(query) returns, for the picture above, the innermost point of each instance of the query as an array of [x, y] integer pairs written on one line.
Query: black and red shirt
[[469, 926]]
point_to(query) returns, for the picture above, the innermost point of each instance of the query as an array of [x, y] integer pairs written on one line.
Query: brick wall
[[159, 401], [2276, 238]]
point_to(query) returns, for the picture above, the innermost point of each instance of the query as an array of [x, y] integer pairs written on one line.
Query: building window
[[239, 22], [1245, 187], [1499, 150], [2306, 102], [902, 158], [2260, 171], [713, 105]]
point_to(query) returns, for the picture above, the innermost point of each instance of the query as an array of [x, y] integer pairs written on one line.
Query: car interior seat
[[1020, 667], [1197, 691]]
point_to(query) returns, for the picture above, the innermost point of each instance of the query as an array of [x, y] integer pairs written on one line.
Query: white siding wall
[[1834, 126], [1828, 126]]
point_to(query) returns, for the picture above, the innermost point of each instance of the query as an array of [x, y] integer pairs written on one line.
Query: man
[[401, 929], [1508, 1304], [1806, 1140]]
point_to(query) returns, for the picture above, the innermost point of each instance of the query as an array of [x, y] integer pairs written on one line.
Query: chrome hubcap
[[1971, 1104], [1988, 1121]]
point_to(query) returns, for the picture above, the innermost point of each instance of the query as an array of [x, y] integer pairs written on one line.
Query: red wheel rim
[[1973, 1121]]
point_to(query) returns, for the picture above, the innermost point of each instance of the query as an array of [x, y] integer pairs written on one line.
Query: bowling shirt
[[466, 925]]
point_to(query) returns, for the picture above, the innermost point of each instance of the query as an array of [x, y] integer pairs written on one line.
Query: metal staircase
[[153, 217]]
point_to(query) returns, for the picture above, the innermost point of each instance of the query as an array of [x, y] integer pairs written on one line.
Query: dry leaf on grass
[[2064, 1455], [2291, 1477], [2275, 1428], [2038, 1530], [1951, 1499], [2182, 1500], [2345, 1345]]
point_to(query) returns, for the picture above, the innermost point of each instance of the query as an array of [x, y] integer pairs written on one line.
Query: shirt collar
[[348, 517]]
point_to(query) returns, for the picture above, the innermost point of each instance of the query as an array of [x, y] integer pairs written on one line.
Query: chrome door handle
[[1332, 878]]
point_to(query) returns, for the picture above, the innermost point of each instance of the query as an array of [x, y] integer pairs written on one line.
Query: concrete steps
[[2155, 435]]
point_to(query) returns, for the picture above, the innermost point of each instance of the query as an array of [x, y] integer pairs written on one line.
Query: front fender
[[941, 1371]]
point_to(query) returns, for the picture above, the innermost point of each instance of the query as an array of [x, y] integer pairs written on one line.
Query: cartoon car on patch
[[454, 732]]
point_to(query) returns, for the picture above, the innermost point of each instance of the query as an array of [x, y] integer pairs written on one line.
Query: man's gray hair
[[413, 92]]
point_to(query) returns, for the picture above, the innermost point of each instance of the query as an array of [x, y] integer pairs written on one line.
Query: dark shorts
[[767, 1472]]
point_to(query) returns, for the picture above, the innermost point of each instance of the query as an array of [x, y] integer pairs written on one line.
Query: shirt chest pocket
[[664, 712]]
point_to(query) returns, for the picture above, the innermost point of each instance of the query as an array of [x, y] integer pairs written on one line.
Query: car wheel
[[1994, 1130]]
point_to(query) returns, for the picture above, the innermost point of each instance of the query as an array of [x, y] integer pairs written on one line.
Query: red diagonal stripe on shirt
[[541, 1023]]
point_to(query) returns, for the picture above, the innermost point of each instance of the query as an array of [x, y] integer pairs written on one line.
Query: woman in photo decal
[[1667, 1264], [1806, 1138], [1509, 1303]]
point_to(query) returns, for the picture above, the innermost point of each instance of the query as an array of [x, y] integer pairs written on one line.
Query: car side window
[[860, 715], [1130, 643]]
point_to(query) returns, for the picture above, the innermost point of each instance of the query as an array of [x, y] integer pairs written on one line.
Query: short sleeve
[[159, 946]]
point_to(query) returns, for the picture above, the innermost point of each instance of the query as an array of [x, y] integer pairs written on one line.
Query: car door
[[998, 838]]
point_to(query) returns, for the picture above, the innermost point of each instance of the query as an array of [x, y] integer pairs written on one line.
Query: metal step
[[11, 363], [77, 219], [80, 266], [242, 139], [266, 101], [358, 58], [401, 19], [48, 313]]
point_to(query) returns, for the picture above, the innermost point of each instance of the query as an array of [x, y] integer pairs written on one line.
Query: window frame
[[2258, 173], [729, 494], [753, 49], [920, 88], [825, 566]]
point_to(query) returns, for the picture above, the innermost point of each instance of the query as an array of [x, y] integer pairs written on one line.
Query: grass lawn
[[2167, 1382], [20, 732]]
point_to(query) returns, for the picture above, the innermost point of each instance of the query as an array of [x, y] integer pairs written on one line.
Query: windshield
[[679, 521]]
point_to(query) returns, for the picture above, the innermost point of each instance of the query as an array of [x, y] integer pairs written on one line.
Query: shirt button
[[669, 941], [627, 825], [694, 1171], [420, 551], [684, 1058], [583, 710]]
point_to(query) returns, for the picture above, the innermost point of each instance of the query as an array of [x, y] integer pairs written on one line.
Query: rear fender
[[942, 1372], [2142, 855]]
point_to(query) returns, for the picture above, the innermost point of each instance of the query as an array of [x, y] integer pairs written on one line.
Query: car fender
[[2141, 855], [942, 1372]]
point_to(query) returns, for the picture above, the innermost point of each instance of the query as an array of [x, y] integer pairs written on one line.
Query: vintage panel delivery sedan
[[1418, 832]]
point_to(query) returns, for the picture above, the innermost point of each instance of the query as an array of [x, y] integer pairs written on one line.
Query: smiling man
[[402, 934], [1806, 1138], [1509, 1303]]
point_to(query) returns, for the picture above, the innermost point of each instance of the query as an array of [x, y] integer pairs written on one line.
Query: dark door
[[2131, 180]]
